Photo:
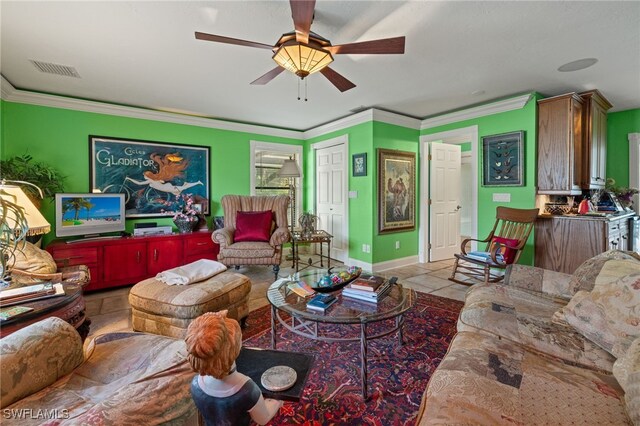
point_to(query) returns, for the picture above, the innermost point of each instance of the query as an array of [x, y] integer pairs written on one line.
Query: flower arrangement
[[622, 193], [188, 211]]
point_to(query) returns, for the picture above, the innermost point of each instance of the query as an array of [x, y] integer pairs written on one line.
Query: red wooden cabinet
[[124, 261], [164, 254]]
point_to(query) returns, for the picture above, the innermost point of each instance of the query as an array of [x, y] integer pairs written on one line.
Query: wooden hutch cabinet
[[123, 261], [595, 140], [560, 144]]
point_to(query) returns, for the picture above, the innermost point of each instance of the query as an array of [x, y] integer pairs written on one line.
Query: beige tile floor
[[109, 310]]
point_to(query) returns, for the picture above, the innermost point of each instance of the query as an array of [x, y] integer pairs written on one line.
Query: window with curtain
[[267, 161]]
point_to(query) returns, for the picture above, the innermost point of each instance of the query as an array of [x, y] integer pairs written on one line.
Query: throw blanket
[[192, 272]]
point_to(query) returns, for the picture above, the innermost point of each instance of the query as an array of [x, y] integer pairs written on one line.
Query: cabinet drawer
[[200, 244], [619, 226], [71, 256]]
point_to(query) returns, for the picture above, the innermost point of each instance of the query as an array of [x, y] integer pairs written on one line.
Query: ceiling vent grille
[[57, 69]]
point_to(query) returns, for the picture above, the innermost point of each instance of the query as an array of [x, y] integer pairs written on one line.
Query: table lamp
[[19, 218]]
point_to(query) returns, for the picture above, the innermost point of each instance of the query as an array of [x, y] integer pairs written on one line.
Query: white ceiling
[[144, 53]]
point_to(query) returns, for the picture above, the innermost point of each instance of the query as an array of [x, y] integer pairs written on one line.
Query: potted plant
[[24, 168], [622, 193]]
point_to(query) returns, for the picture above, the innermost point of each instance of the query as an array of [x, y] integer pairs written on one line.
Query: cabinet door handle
[[155, 254], [138, 256]]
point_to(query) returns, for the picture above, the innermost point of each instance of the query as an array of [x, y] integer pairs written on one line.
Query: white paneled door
[[444, 192], [331, 196]]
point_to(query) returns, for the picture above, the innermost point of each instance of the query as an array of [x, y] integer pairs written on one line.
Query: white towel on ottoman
[[191, 273]]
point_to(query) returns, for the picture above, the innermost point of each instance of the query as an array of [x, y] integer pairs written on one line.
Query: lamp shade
[[36, 223], [289, 169], [301, 59]]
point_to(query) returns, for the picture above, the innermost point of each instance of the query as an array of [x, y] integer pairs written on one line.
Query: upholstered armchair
[[261, 246]]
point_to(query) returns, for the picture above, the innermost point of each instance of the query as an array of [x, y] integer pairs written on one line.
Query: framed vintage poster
[[396, 191], [359, 164], [152, 175], [503, 159]]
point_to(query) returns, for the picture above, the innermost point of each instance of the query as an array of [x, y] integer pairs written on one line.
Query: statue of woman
[[223, 395]]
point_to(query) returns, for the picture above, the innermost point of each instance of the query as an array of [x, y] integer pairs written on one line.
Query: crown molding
[[510, 104], [11, 94], [371, 114]]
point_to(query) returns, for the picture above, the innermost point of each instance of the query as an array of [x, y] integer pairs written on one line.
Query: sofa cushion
[[627, 370], [609, 315], [253, 226], [525, 317], [30, 258], [36, 356], [248, 250], [584, 277], [127, 378], [488, 381], [539, 280]]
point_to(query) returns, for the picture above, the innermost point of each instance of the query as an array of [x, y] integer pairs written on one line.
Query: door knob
[[458, 207]]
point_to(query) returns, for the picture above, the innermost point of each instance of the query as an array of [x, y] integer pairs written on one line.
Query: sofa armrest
[[36, 357], [223, 236], [280, 236], [540, 280]]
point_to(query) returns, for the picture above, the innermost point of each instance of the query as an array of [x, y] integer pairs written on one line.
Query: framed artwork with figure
[[152, 175], [396, 191], [359, 164], [503, 159]]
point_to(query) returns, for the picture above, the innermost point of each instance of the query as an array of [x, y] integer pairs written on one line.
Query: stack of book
[[369, 288], [30, 293], [321, 302]]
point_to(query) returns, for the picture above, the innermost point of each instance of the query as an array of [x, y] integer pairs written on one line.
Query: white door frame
[[340, 140], [634, 166], [456, 137]]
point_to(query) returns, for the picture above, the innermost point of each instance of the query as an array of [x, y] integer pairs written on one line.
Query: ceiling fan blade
[[302, 13], [337, 79], [385, 45], [229, 40], [268, 76]]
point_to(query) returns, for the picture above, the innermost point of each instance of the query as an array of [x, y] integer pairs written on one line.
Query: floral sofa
[[120, 379], [545, 348]]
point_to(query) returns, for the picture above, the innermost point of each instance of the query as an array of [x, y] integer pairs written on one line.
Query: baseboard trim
[[364, 265], [395, 263]]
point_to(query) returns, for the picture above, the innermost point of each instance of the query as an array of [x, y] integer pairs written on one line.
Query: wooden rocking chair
[[503, 247]]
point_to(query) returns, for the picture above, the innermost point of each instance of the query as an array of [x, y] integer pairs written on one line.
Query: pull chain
[[305, 91], [298, 89]]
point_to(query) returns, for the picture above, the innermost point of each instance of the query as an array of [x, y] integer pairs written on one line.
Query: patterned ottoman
[[168, 309]]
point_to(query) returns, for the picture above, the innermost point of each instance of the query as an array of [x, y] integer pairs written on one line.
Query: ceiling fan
[[304, 52]]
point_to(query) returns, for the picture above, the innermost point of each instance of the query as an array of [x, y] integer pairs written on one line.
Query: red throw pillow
[[508, 254], [253, 226]]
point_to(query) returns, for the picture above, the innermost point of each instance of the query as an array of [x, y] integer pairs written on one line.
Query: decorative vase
[[186, 225]]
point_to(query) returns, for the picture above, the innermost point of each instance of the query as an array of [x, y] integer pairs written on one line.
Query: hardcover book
[[367, 282], [321, 302]]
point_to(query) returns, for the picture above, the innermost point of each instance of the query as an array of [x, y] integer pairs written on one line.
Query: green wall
[[389, 136], [360, 209], [521, 197], [60, 138], [619, 125]]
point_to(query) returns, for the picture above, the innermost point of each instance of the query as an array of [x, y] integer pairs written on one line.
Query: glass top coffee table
[[290, 310]]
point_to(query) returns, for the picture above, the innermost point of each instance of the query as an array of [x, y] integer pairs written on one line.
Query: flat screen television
[[89, 215]]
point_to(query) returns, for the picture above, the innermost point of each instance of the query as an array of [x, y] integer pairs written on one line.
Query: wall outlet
[[364, 248], [368, 250], [397, 245], [502, 197]]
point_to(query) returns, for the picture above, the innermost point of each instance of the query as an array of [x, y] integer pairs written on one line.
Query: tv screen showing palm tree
[[89, 214]]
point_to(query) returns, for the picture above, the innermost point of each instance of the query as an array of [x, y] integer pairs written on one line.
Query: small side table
[[318, 236], [69, 307]]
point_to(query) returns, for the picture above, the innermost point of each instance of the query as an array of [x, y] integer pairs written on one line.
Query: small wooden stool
[[168, 310]]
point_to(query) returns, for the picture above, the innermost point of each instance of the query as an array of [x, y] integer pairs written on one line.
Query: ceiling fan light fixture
[[302, 59]]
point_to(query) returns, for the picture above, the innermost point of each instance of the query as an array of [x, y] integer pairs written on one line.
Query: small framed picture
[[359, 164], [503, 159]]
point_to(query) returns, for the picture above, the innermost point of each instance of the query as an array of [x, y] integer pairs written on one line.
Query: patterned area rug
[[398, 375]]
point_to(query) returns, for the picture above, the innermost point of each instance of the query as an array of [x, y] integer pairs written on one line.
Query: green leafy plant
[[23, 167]]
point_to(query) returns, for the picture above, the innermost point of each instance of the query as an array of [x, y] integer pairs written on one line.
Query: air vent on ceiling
[[57, 69]]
